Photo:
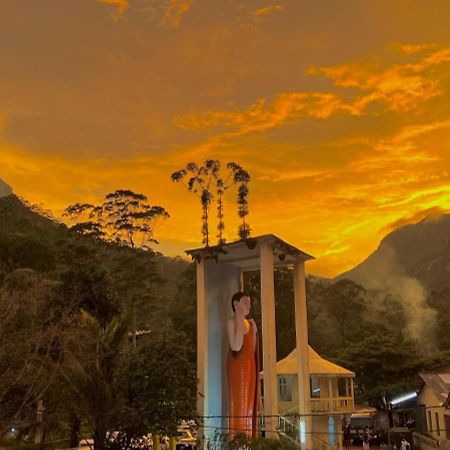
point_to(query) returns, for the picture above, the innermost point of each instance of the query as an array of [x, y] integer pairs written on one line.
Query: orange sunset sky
[[340, 110]]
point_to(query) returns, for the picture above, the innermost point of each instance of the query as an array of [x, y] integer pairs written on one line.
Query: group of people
[[366, 440], [347, 438]]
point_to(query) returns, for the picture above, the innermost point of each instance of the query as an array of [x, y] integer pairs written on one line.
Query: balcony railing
[[335, 404], [324, 405]]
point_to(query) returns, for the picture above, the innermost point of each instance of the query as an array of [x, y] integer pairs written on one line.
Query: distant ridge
[[5, 189], [420, 251]]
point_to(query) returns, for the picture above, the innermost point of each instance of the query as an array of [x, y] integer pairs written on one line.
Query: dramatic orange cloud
[[175, 10], [170, 12], [120, 6], [340, 113]]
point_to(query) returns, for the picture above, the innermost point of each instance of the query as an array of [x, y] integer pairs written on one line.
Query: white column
[[202, 343], [301, 332], [269, 340], [352, 393]]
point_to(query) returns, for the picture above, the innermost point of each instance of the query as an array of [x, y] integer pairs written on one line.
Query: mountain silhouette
[[5, 189], [420, 251]]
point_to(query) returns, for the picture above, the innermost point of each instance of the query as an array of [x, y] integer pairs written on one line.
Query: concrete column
[[352, 392], [269, 340], [301, 332], [202, 343]]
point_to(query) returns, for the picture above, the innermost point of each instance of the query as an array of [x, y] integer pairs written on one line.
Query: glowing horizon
[[341, 113]]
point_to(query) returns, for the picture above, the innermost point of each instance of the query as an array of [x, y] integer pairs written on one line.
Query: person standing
[[346, 438]]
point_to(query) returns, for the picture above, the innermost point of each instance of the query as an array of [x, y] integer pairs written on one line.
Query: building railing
[[324, 405], [287, 427], [334, 404]]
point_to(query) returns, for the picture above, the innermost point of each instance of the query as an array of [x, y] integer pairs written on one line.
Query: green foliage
[[124, 217], [71, 312], [182, 311], [20, 250], [31, 336], [345, 302], [157, 384], [385, 363], [87, 288], [90, 363], [440, 301]]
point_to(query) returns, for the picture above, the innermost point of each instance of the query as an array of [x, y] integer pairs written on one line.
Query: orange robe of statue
[[243, 386]]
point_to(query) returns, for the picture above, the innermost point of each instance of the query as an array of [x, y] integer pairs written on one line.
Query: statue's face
[[243, 305]]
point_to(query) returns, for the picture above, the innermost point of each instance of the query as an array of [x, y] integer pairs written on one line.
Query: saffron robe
[[243, 386]]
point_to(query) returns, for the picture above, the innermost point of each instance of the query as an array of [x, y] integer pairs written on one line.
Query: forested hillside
[[84, 326]]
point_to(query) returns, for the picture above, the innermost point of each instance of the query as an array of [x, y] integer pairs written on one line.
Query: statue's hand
[[253, 323]]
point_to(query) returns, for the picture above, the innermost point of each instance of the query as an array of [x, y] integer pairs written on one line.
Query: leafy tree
[[124, 217], [32, 334], [139, 287], [182, 310], [90, 363], [345, 302], [91, 290], [384, 362], [20, 250], [440, 301], [157, 385]]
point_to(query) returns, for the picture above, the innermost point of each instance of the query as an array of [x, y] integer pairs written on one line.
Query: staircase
[[288, 431]]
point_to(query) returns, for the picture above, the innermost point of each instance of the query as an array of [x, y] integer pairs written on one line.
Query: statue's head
[[241, 302]]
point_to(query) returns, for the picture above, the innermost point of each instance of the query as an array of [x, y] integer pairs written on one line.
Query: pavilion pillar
[[269, 340], [202, 343], [301, 333], [352, 393]]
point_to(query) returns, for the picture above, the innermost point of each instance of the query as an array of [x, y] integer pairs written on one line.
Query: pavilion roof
[[245, 253], [317, 365]]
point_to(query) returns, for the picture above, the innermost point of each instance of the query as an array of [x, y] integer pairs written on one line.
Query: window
[[315, 387], [438, 428], [342, 387], [285, 388], [430, 423], [332, 431]]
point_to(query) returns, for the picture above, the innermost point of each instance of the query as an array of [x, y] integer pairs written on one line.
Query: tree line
[[85, 333], [125, 217]]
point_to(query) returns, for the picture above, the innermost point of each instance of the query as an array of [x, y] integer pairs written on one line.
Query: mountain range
[[420, 251]]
